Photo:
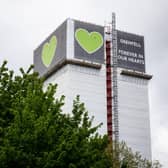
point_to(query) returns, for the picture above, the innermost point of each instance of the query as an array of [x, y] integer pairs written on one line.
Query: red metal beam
[[109, 91]]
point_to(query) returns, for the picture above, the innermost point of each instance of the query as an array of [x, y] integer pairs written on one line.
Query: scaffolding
[[111, 81], [114, 80]]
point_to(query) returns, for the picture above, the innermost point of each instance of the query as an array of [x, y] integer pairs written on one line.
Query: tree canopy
[[36, 133]]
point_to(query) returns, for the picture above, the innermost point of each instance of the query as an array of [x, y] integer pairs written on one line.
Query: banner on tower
[[130, 51], [89, 42], [51, 51]]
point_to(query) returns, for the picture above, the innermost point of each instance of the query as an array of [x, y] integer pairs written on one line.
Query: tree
[[129, 159], [34, 132]]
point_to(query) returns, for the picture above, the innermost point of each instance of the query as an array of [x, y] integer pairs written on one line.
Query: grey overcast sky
[[25, 23]]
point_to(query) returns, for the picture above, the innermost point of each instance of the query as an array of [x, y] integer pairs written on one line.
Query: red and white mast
[[111, 81]]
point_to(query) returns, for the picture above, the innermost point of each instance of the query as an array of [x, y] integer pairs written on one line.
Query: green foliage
[[35, 133], [129, 159]]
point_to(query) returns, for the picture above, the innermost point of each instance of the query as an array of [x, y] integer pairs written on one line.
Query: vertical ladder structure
[[111, 81], [114, 80]]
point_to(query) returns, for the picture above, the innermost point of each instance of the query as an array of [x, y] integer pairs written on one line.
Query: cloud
[[160, 145]]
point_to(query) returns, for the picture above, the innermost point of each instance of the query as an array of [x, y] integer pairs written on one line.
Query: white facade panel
[[61, 78], [134, 124], [90, 84]]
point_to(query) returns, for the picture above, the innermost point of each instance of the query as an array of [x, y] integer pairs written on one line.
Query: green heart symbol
[[90, 42], [48, 51]]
